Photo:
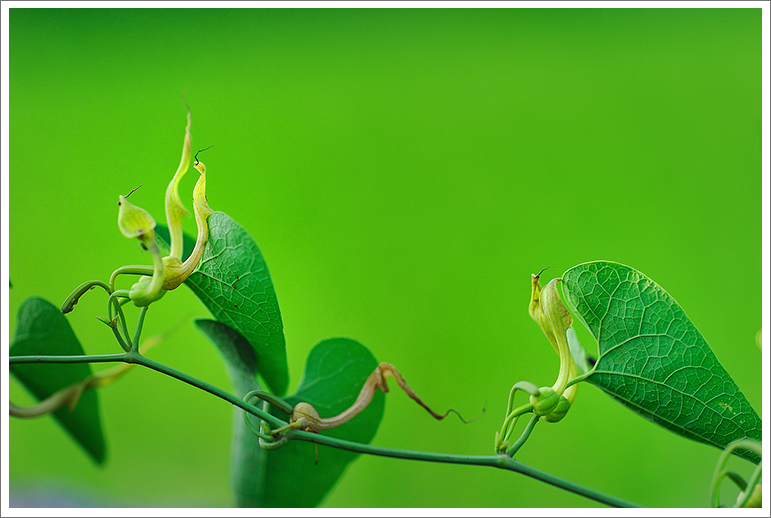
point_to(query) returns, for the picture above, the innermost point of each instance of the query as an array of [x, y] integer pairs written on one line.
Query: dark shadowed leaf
[[41, 329], [336, 370]]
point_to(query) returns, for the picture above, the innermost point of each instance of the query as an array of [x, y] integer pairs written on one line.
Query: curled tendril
[[265, 396], [750, 494], [305, 417]]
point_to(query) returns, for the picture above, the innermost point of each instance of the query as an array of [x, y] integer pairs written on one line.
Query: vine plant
[[652, 359]]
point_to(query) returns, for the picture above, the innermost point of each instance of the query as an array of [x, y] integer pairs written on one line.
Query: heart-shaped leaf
[[654, 360], [41, 329], [288, 476], [233, 282], [335, 372]]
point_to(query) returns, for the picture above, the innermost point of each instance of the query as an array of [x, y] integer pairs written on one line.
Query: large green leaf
[[41, 329], [233, 282], [654, 360], [289, 477]]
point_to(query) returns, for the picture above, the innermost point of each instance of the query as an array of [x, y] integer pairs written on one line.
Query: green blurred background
[[404, 172]]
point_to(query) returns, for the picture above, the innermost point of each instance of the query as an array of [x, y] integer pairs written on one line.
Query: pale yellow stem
[[70, 395], [52, 403]]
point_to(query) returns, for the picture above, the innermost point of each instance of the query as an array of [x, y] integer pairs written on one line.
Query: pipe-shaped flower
[[547, 309], [168, 272]]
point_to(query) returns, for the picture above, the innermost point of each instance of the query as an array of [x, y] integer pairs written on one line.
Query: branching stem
[[136, 358], [501, 461], [524, 437]]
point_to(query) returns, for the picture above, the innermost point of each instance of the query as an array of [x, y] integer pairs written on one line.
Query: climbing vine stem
[[496, 461], [136, 358], [500, 461]]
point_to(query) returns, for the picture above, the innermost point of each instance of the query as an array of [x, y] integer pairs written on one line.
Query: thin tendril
[[260, 394]]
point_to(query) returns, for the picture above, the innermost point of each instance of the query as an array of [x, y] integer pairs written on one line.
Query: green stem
[[113, 299], [254, 429], [510, 403], [521, 385], [126, 347], [78, 292], [579, 379], [140, 323], [511, 420], [755, 479], [735, 478], [90, 358], [270, 398], [208, 387], [495, 461], [747, 444], [524, 437], [135, 357], [266, 397], [134, 269]]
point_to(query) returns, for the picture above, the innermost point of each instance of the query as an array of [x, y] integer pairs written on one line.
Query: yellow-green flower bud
[[168, 272], [559, 411], [546, 402], [146, 291], [307, 416], [756, 499], [555, 311], [135, 222], [175, 210]]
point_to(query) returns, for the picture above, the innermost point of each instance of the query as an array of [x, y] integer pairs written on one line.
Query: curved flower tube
[[547, 309], [175, 271], [175, 211]]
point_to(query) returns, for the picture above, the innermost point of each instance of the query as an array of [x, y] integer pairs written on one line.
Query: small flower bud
[[559, 411], [146, 291], [135, 222], [305, 414], [546, 403]]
